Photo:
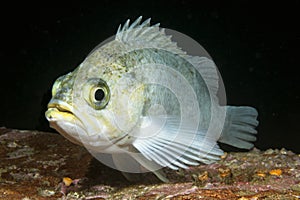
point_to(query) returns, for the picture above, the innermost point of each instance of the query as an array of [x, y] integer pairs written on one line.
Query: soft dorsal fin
[[142, 35], [208, 70]]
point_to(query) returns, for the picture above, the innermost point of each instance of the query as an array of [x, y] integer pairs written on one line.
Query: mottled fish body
[[145, 102]]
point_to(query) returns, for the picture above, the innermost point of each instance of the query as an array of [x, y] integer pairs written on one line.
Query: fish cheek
[[126, 106], [137, 100]]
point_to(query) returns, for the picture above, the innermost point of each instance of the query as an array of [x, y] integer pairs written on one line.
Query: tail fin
[[239, 130]]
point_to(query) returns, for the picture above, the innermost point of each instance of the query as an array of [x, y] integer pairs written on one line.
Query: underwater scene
[[157, 100]]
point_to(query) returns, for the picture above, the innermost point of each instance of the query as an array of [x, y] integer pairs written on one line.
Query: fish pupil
[[99, 95]]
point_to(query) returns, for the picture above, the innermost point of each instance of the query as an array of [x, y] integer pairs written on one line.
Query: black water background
[[254, 44]]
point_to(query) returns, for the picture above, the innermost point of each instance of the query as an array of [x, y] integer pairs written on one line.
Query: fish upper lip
[[61, 107]]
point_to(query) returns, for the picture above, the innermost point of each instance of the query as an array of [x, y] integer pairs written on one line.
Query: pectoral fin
[[176, 146]]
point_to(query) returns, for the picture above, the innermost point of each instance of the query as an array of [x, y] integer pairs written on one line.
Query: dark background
[[255, 46]]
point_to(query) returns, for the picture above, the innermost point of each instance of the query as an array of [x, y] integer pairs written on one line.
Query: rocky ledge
[[40, 165]]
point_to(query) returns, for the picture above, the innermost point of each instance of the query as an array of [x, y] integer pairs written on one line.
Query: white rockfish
[[139, 103]]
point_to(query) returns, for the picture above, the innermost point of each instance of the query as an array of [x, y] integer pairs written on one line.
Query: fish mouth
[[59, 110], [62, 119]]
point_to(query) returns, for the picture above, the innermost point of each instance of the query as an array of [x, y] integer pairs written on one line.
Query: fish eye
[[98, 93]]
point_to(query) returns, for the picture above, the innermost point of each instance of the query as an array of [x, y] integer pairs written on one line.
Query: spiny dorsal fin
[[141, 35]]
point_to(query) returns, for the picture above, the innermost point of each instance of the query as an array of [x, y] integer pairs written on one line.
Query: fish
[[139, 102]]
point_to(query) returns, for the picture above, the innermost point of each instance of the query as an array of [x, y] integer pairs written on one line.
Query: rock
[[40, 165]]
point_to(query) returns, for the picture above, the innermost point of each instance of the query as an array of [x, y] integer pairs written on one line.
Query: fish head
[[96, 105]]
